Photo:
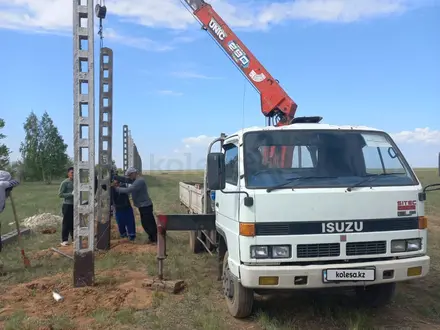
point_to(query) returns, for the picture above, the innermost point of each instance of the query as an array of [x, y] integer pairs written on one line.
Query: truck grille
[[318, 250], [364, 248]]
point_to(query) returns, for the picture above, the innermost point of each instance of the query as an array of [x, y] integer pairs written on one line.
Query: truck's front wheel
[[238, 298], [377, 295]]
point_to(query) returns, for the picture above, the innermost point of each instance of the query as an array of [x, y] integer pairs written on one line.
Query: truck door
[[226, 205]]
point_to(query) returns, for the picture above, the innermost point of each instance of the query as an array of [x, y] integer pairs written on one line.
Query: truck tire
[[378, 295], [238, 298], [194, 244]]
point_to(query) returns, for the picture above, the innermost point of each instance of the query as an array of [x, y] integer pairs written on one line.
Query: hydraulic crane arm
[[275, 103]]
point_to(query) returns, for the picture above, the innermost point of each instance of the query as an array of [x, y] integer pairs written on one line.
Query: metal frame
[[199, 223], [105, 148], [84, 170]]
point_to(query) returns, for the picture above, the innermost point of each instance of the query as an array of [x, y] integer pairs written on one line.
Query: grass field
[[118, 301]]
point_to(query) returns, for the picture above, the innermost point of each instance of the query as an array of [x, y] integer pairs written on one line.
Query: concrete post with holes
[[105, 148], [130, 150], [125, 147], [84, 142]]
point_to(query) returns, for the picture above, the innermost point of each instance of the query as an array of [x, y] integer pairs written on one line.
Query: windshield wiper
[[370, 178], [297, 178]]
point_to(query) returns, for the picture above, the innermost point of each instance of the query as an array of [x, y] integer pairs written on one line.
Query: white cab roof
[[305, 126]]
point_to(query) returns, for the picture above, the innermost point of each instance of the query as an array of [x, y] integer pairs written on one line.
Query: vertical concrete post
[[84, 142], [105, 148], [130, 150], [125, 146]]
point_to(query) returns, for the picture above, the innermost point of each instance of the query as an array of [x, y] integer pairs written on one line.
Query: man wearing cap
[[6, 185], [141, 199]]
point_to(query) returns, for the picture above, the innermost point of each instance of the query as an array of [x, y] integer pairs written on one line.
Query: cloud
[[189, 154], [419, 136], [192, 75], [419, 146], [168, 92], [136, 42], [343, 11], [54, 16]]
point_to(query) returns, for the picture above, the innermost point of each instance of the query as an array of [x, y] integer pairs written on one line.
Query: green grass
[[201, 306]]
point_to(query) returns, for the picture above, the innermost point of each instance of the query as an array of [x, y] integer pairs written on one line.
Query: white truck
[[348, 212], [298, 204]]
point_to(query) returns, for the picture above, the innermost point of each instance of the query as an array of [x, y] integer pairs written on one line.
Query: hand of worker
[[14, 183]]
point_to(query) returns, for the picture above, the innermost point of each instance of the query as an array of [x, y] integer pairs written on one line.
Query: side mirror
[[216, 171]]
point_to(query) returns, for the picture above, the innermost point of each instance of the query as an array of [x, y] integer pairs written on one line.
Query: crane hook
[[100, 11]]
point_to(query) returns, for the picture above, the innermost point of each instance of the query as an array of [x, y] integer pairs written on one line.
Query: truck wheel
[[194, 244], [238, 298], [377, 295]]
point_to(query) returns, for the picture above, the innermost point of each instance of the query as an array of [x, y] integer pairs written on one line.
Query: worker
[[141, 199], [66, 192], [123, 212], [6, 185]]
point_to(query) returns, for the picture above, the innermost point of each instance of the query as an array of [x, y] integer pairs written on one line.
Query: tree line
[[43, 152]]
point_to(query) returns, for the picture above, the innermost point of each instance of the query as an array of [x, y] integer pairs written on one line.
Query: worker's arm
[[3, 186], [63, 191], [135, 186], [123, 179]]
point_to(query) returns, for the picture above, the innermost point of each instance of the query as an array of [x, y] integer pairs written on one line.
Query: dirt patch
[[121, 246], [48, 231], [114, 290], [126, 247]]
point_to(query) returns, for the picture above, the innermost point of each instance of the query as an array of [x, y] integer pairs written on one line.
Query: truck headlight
[[281, 251], [414, 244], [259, 251], [406, 245], [271, 251], [398, 246]]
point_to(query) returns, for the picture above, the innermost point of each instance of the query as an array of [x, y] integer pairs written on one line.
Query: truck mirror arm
[[248, 200], [436, 187], [428, 188]]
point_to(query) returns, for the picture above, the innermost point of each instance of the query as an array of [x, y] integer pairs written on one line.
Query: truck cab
[[346, 210]]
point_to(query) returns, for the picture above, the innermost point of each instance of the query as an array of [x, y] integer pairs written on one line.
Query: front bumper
[[250, 275]]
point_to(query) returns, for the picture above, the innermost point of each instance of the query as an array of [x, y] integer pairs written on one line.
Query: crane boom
[[275, 103]]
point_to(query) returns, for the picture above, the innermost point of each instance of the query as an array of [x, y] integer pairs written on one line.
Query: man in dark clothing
[[123, 213], [141, 199], [66, 192]]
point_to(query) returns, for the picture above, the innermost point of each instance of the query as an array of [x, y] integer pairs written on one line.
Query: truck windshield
[[323, 158]]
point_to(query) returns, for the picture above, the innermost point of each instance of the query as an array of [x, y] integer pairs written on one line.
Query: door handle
[[216, 204]]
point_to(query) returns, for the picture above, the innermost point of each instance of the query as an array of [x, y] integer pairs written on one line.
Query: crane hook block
[[100, 11]]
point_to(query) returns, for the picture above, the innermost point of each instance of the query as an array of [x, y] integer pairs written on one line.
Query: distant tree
[[43, 150], [69, 162], [30, 148], [4, 150], [17, 170], [53, 157]]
